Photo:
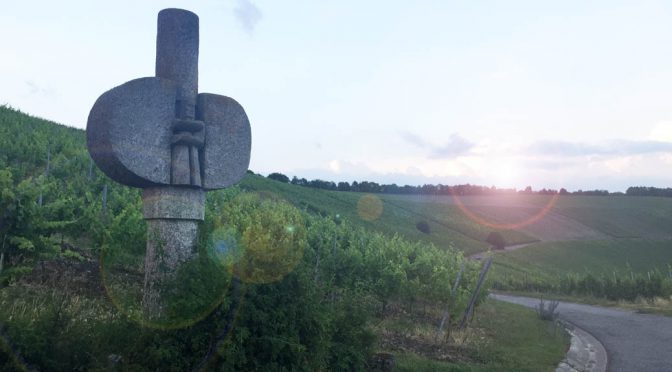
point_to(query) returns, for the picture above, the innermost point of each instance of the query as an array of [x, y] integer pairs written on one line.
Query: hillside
[[26, 142], [58, 206], [346, 278]]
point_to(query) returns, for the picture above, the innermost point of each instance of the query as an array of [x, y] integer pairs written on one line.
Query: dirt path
[[480, 255], [634, 342]]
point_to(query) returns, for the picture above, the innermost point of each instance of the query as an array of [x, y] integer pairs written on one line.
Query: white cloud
[[248, 15], [455, 146], [621, 164]]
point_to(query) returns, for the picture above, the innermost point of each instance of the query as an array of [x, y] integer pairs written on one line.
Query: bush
[[423, 226], [547, 312], [279, 177], [496, 239]]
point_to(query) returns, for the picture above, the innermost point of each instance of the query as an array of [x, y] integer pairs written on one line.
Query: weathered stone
[[158, 133], [225, 121], [129, 132], [170, 243], [177, 52], [173, 203]]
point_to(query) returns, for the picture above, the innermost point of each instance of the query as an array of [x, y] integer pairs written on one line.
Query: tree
[[279, 177], [423, 226], [343, 186], [496, 239]]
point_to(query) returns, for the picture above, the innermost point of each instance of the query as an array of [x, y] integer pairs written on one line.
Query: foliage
[[547, 311], [627, 286], [496, 239], [503, 337], [423, 226], [275, 287], [278, 177]]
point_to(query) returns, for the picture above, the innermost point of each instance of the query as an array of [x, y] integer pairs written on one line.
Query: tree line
[[461, 190]]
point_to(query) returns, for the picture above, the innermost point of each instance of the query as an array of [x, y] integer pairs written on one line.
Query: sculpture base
[[173, 215]]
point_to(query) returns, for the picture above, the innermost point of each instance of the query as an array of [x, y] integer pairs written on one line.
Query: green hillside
[[573, 225], [287, 278], [26, 141], [367, 250]]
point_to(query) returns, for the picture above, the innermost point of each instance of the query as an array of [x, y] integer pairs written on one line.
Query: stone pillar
[[173, 215], [158, 133]]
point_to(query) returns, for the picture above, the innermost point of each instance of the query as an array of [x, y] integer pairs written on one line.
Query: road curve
[[634, 342]]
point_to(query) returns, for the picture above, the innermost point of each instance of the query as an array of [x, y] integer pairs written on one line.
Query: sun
[[504, 173]]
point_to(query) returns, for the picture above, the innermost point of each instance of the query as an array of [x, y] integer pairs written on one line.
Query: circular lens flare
[[506, 226], [198, 287], [369, 207], [271, 236]]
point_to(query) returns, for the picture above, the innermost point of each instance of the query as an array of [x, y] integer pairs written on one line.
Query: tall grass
[[623, 285]]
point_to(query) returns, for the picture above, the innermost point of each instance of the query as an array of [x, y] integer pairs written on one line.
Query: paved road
[[634, 342]]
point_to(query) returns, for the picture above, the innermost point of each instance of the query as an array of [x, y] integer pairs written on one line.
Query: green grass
[[400, 214], [659, 306], [397, 217], [574, 223], [506, 337], [598, 257]]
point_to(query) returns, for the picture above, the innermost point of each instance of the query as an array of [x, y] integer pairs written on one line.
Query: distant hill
[[26, 142]]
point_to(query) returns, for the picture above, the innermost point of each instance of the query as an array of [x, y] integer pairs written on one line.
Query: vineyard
[[280, 283]]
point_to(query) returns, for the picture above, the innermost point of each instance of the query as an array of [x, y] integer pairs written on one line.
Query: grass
[[637, 228], [504, 337], [659, 306], [548, 259], [396, 217], [449, 226]]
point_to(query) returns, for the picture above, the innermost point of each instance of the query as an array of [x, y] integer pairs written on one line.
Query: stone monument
[[161, 135]]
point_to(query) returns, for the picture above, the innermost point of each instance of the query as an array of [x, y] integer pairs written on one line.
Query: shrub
[[423, 226], [547, 312], [496, 239]]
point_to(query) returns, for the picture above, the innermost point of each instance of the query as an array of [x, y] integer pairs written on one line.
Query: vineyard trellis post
[[104, 201], [470, 308], [446, 312]]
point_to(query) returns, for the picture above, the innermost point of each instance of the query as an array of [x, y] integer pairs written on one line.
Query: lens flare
[[369, 207], [506, 226], [223, 247], [271, 236], [198, 287]]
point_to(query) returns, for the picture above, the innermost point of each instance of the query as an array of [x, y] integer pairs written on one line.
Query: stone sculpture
[[159, 134]]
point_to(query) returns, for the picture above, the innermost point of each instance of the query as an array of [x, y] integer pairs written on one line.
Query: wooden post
[[90, 176], [446, 312], [470, 308], [46, 173], [104, 209]]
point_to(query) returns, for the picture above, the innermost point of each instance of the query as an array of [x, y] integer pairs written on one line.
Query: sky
[[573, 94]]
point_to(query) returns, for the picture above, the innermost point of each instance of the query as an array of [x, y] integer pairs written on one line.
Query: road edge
[[586, 353]]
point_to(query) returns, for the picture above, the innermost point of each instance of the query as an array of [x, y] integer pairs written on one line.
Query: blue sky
[[568, 94]]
